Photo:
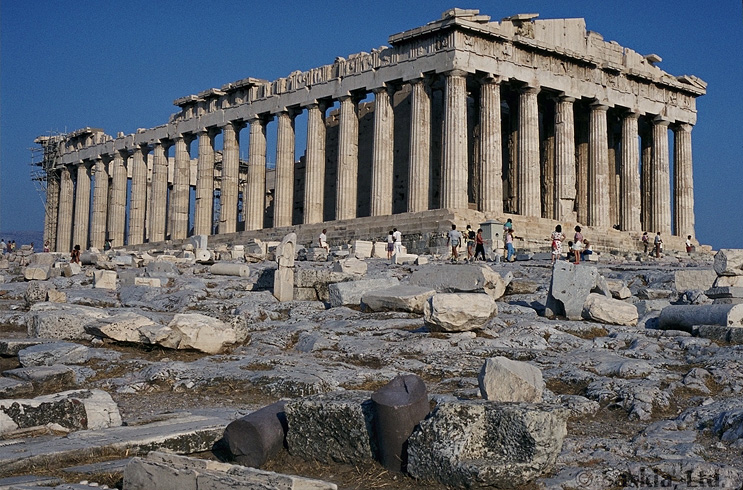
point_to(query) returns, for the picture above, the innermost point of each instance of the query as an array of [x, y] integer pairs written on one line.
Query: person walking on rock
[[75, 255], [645, 241], [470, 236], [479, 245], [509, 245], [397, 241], [658, 242], [557, 237], [454, 237]]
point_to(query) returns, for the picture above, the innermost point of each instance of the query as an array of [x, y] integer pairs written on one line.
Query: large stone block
[[729, 262], [199, 242], [283, 283], [728, 282], [689, 279], [447, 278], [458, 312], [122, 327], [286, 250], [362, 249], [477, 443], [336, 426], [684, 317], [599, 308], [350, 293], [61, 320], [199, 332], [48, 354], [569, 288], [230, 269], [351, 265], [36, 272], [402, 297], [504, 380], [104, 279]]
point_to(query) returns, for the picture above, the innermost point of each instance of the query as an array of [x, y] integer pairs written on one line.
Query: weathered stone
[[729, 262], [458, 312], [36, 292], [694, 279], [504, 380], [286, 250], [336, 426], [399, 405], [404, 259], [153, 282], [55, 296], [569, 289], [47, 354], [199, 242], [474, 443], [420, 260], [164, 471], [229, 269], [460, 278], [402, 297], [90, 258], [362, 249], [11, 347], [61, 321], [684, 317], [724, 292], [71, 269], [522, 286], [122, 327], [618, 289], [162, 268], [316, 254], [200, 332], [36, 273], [599, 308], [350, 293], [283, 284], [10, 387], [74, 410], [254, 439], [351, 265], [104, 279], [379, 251], [42, 258], [44, 378], [203, 256]]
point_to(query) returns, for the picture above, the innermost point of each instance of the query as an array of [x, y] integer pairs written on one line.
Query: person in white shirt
[[453, 239], [397, 238], [324, 240]]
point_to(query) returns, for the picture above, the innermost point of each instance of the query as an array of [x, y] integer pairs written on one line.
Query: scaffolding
[[43, 161]]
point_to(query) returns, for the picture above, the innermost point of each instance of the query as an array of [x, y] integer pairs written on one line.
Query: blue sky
[[119, 65]]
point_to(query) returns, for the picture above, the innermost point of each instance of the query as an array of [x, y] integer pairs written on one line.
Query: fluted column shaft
[[314, 177], [491, 148], [565, 187], [100, 205], [82, 206], [598, 168], [284, 186], [454, 165], [660, 179], [138, 200], [348, 160], [629, 196], [382, 154], [230, 178], [179, 194], [420, 147], [52, 209], [255, 201], [204, 200], [159, 196], [64, 215], [117, 203], [529, 194], [683, 181]]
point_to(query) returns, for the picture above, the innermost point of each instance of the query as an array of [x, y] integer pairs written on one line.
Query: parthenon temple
[[523, 118]]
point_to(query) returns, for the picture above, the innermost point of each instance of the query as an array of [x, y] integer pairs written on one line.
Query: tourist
[[578, 237], [75, 255], [470, 233], [557, 237], [453, 239], [323, 240], [32, 247], [645, 240], [576, 248], [509, 245], [2, 246], [390, 244], [508, 225], [587, 250], [658, 242], [46, 246], [107, 245], [689, 246], [397, 241], [479, 245], [12, 246]]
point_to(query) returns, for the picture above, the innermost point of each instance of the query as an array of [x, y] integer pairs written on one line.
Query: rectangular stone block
[[153, 282], [104, 279], [362, 249], [694, 279], [283, 284], [380, 250], [725, 292]]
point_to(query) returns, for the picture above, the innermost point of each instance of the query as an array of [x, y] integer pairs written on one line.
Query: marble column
[[581, 164], [284, 185], [491, 148], [660, 186], [565, 178], [382, 153], [348, 160], [64, 214], [204, 200], [454, 164], [230, 178], [598, 168], [180, 192], [683, 189], [82, 206], [52, 208], [528, 197], [629, 195], [254, 199], [159, 197], [100, 205], [646, 173], [138, 200], [117, 203], [420, 146], [314, 174]]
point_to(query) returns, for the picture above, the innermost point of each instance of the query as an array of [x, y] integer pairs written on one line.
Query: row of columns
[[575, 173]]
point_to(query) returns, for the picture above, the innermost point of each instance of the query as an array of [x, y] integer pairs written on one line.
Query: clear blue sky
[[119, 65]]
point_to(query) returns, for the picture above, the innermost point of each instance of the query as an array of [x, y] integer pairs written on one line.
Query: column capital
[[599, 105], [290, 111], [529, 89], [563, 98], [630, 114], [683, 126], [659, 120], [455, 73], [490, 78], [385, 87]]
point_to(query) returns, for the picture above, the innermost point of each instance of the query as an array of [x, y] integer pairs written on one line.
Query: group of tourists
[[394, 243], [474, 241], [8, 247], [579, 248]]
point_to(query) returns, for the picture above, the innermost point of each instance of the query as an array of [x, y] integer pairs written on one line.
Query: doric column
[[683, 190], [64, 215], [454, 165], [100, 205], [529, 197], [284, 186], [646, 158], [230, 178], [82, 206], [204, 201], [420, 146], [314, 174], [564, 160], [598, 168], [382, 153], [52, 208], [660, 193], [159, 195], [180, 192], [138, 200], [491, 148], [348, 160], [254, 202], [117, 203], [629, 195]]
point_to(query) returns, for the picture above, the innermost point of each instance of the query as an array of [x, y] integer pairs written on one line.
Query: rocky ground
[[647, 405]]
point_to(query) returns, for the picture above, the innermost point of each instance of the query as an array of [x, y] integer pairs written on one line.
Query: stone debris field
[[267, 365]]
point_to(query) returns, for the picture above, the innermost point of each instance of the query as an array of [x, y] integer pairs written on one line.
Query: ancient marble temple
[[524, 116]]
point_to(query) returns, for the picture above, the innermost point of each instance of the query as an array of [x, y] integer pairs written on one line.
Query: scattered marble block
[[48, 354], [686, 317], [504, 380], [104, 279], [729, 262], [404, 259], [402, 297], [255, 438], [351, 265], [153, 282], [701, 279], [230, 269], [350, 293], [458, 312], [36, 273], [362, 249], [599, 308]]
